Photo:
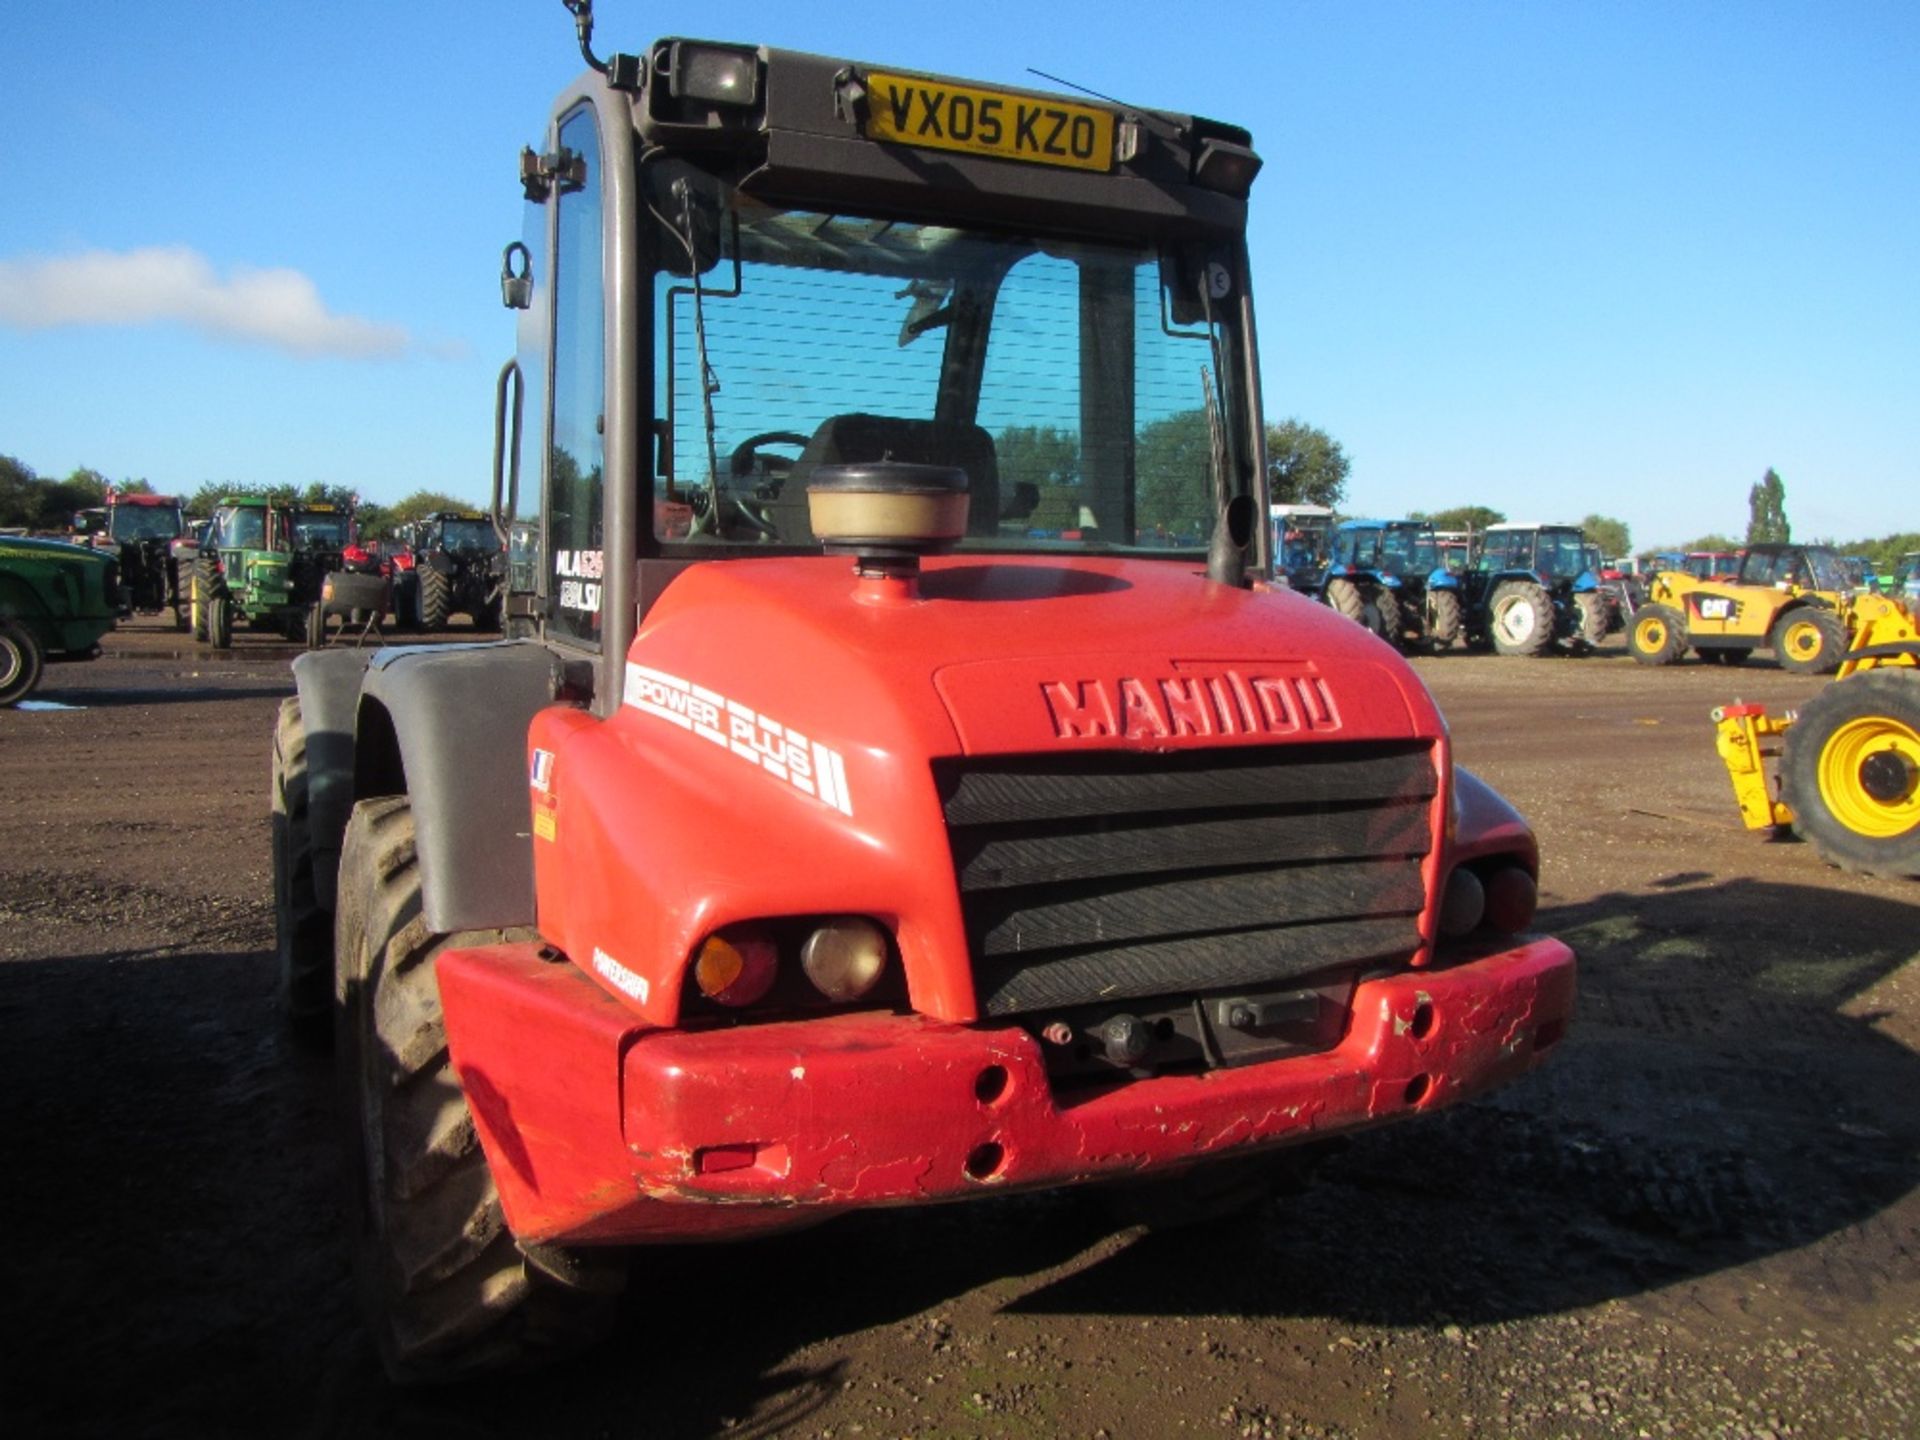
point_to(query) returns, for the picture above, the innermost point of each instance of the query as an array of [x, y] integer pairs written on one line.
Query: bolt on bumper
[[601, 1130]]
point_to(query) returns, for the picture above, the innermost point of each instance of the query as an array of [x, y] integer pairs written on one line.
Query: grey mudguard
[[329, 686], [459, 716]]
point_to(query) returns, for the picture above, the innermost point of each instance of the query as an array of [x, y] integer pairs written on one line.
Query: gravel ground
[[1698, 1220]]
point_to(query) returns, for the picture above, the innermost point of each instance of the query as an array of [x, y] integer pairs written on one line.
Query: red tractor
[[848, 835], [145, 530]]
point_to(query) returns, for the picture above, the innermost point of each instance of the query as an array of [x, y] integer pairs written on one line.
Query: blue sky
[[1556, 259]]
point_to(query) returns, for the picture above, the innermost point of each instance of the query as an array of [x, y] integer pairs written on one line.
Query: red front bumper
[[600, 1129]]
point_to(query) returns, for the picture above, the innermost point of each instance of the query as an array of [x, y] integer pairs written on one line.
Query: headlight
[[845, 958], [1463, 905], [1491, 895], [1512, 898], [715, 74]]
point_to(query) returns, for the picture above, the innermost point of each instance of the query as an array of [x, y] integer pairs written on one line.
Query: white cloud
[[279, 308]]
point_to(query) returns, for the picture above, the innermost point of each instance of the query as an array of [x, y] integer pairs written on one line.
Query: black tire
[[1734, 654], [200, 594], [444, 1288], [1386, 617], [406, 601], [220, 622], [1657, 636], [180, 615], [487, 617], [436, 599], [303, 932], [1594, 615], [1520, 618], [1850, 771], [316, 625], [1345, 597], [1808, 641], [22, 662], [1443, 618]]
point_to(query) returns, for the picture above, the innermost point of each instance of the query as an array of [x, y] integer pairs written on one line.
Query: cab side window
[[576, 457]]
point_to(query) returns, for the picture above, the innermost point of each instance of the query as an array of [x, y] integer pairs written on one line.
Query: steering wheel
[[746, 459], [747, 462]]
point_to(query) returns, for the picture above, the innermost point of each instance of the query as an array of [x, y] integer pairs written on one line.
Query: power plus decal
[[782, 752]]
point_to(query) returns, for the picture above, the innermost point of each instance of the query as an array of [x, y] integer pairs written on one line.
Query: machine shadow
[[1715, 1103], [121, 699]]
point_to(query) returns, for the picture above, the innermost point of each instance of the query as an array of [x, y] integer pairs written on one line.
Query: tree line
[[1305, 466], [36, 503]]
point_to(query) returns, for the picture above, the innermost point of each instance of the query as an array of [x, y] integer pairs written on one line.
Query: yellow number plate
[[939, 116]]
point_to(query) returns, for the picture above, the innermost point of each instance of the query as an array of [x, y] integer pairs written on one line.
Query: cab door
[[574, 472]]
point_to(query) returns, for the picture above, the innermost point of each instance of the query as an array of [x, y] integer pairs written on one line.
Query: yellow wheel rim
[[1882, 801], [1803, 640], [1652, 633]]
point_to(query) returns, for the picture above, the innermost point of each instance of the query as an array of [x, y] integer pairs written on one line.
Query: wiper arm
[[709, 380], [1216, 396], [1216, 441]]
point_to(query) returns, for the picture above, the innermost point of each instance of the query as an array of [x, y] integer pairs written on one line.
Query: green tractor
[[55, 599], [268, 563], [244, 572]]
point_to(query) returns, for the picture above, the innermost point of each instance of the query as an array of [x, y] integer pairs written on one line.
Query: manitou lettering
[[1197, 706]]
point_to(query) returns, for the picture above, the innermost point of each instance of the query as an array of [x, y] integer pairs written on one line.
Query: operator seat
[[856, 438]]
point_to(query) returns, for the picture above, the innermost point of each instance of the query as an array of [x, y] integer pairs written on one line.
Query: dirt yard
[[1700, 1219]]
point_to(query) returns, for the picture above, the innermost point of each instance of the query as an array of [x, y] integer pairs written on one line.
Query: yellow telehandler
[[1846, 765], [1792, 599]]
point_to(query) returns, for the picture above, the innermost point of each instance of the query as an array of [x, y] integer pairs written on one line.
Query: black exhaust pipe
[[1227, 555]]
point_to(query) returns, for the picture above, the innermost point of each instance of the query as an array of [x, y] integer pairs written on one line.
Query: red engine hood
[[773, 754], [1030, 655]]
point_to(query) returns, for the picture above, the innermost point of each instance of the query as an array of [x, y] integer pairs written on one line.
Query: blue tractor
[[1300, 543], [1388, 576], [1530, 586]]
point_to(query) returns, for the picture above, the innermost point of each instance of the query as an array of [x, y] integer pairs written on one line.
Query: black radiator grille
[[1100, 877]]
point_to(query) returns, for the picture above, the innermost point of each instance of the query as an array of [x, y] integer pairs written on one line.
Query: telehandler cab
[[847, 837]]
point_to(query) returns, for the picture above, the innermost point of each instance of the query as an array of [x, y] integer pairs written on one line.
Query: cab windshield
[[243, 527], [469, 535], [1398, 550], [1089, 402], [1408, 550], [320, 532], [1549, 552], [144, 522], [1808, 569]]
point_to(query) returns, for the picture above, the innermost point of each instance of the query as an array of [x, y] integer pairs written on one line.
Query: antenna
[[1071, 86]]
